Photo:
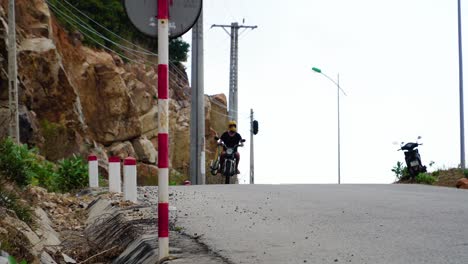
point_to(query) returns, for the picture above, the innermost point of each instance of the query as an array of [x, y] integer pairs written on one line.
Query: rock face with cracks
[[75, 99]]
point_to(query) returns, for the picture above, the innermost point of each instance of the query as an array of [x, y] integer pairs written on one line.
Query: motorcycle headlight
[[229, 151]]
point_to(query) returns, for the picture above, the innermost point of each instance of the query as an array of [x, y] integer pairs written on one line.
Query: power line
[[91, 29], [67, 18], [94, 40], [78, 23], [233, 71], [108, 30]]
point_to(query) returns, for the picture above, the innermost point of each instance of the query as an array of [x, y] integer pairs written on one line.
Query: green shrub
[[12, 260], [465, 173], [425, 178], [46, 175], [16, 162], [23, 166], [72, 174], [400, 170], [103, 182]]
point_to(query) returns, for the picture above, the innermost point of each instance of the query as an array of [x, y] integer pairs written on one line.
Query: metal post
[[251, 148], [12, 74], [163, 128], [460, 76], [201, 101], [197, 124], [337, 83], [233, 77], [339, 138]]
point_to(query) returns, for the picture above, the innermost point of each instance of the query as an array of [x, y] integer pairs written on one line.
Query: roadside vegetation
[[438, 177], [22, 168]]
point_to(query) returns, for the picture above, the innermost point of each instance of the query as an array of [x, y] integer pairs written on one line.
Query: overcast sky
[[397, 61]]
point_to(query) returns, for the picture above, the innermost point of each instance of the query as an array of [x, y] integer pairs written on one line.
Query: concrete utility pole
[[233, 68], [12, 74], [197, 115], [251, 147]]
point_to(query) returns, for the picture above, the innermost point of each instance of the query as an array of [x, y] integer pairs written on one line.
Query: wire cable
[[91, 29], [111, 32], [83, 25], [78, 23]]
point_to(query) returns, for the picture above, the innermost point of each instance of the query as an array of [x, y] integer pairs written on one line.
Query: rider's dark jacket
[[230, 141]]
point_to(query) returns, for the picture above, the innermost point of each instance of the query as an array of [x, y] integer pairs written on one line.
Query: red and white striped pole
[[163, 128], [93, 171], [114, 175], [130, 180]]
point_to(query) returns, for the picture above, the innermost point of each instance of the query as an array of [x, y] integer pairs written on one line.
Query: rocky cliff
[[79, 100]]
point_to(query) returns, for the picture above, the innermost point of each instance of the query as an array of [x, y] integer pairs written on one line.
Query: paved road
[[327, 223]]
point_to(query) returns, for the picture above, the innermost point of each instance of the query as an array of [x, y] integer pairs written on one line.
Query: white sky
[[398, 63]]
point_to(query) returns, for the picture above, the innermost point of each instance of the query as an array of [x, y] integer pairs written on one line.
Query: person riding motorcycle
[[230, 138]]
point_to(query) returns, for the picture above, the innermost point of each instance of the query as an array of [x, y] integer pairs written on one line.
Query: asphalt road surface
[[327, 223]]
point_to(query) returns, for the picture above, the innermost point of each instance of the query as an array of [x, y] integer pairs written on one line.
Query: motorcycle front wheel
[[227, 172]]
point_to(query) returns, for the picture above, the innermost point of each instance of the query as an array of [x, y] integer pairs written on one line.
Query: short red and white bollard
[[93, 171], [114, 175], [130, 180]]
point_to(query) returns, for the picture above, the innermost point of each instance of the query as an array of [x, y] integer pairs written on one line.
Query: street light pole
[[337, 83], [460, 68], [339, 141]]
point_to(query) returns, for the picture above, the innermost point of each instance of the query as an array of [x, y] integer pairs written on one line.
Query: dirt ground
[[445, 178]]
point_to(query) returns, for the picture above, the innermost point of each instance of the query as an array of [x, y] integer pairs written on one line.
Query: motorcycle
[[230, 162], [413, 158]]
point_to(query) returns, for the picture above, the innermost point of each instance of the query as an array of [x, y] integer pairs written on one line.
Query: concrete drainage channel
[[133, 228]]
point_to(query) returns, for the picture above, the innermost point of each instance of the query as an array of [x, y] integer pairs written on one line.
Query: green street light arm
[[333, 81]]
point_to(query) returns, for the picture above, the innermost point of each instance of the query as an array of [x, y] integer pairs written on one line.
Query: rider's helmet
[[232, 126]]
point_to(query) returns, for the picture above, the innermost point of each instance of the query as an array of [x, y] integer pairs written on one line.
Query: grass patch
[[176, 178], [11, 201], [425, 178]]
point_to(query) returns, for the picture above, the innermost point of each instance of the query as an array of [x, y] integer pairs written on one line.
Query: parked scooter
[[230, 161], [412, 158]]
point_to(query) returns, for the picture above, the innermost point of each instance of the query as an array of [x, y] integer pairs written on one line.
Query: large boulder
[[462, 183], [107, 106], [149, 123], [122, 150], [147, 175], [145, 150]]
